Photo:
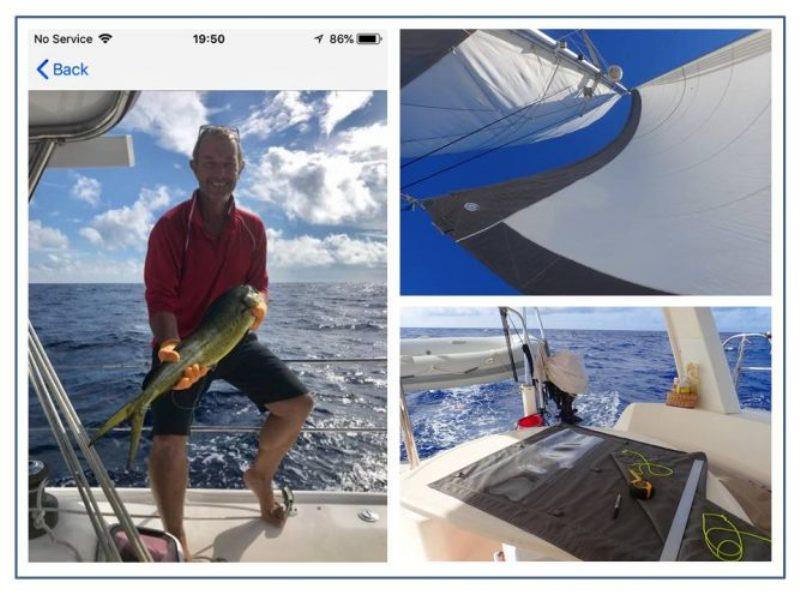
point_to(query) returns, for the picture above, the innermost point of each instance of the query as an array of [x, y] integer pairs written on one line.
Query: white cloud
[[279, 112], [92, 235], [173, 118], [159, 197], [45, 238], [129, 225], [306, 251], [288, 109], [67, 268], [339, 106], [344, 183], [86, 189], [364, 143]]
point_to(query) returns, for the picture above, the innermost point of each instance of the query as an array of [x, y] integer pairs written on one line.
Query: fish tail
[[123, 414], [137, 422]]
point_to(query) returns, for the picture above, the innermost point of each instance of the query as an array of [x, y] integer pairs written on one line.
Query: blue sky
[[315, 172], [642, 54], [729, 319]]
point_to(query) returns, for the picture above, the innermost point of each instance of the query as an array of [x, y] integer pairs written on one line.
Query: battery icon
[[368, 38]]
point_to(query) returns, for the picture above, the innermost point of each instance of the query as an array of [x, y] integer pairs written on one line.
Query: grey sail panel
[[464, 213], [534, 270]]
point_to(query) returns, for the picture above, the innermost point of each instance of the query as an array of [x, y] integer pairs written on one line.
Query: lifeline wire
[[556, 67]]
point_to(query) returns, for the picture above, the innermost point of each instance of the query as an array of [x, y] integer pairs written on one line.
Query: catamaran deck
[[224, 525], [472, 534]]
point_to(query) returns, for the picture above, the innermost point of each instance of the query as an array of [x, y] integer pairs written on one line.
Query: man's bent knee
[[305, 404], [168, 448], [299, 406]]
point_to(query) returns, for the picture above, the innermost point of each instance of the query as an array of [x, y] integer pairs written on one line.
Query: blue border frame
[[17, 19]]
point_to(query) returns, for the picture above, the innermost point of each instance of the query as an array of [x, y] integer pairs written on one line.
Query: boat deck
[[426, 510], [224, 525]]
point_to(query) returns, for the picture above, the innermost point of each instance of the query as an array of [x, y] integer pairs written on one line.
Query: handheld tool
[[617, 502], [639, 487]]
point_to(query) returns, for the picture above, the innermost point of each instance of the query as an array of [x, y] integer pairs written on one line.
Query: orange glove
[[167, 352], [259, 310], [191, 374]]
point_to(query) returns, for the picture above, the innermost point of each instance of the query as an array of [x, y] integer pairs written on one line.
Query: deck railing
[[740, 367]]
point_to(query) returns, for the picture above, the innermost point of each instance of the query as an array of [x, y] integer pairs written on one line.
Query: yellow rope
[[652, 469], [719, 550]]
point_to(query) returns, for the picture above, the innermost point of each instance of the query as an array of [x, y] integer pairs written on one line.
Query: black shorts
[[250, 366]]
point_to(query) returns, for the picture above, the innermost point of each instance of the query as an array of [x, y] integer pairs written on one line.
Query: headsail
[[464, 90], [679, 203]]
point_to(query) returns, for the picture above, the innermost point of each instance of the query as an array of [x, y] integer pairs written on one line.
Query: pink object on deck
[[162, 547]]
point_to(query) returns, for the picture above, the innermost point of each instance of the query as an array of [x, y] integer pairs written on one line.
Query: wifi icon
[[104, 37]]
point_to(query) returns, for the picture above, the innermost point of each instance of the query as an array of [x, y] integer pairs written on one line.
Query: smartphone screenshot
[[205, 291]]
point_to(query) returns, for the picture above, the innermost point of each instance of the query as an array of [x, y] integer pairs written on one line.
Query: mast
[[543, 40]]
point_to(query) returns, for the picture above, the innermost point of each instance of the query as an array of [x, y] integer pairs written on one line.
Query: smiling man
[[197, 251]]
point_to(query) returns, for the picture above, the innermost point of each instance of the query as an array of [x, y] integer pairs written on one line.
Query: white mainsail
[[506, 88]]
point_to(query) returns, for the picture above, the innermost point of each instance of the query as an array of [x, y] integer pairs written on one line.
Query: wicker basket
[[682, 399]]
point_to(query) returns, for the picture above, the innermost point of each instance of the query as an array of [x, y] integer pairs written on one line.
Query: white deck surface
[[225, 525]]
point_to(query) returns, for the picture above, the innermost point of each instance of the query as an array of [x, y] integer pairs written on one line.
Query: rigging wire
[[490, 150], [539, 100], [575, 36], [556, 111], [482, 154]]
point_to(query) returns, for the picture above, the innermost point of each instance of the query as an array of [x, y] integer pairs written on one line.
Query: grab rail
[[239, 429], [740, 367]]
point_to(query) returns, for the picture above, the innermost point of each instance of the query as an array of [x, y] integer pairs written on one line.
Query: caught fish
[[223, 326]]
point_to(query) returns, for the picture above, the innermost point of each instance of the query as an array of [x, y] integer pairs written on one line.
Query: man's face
[[216, 168]]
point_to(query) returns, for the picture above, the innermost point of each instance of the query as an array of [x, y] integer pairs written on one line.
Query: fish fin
[[123, 414], [137, 422]]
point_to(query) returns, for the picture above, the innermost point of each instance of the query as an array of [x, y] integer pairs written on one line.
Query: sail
[[678, 203], [465, 90]]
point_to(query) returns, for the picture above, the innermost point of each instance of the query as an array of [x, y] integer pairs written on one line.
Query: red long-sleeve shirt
[[186, 269]]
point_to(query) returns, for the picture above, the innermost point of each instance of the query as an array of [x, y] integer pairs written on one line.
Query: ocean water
[[622, 366], [98, 340]]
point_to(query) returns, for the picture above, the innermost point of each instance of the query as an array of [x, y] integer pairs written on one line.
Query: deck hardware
[[368, 516], [288, 501]]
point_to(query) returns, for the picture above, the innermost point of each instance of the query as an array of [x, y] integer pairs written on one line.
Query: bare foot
[[187, 556], [271, 511]]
